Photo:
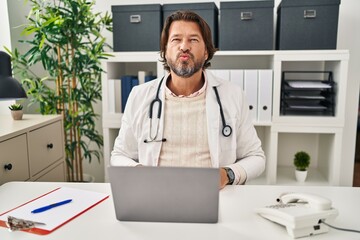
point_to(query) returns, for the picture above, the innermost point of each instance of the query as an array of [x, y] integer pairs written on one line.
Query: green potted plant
[[66, 41], [16, 111], [301, 162]]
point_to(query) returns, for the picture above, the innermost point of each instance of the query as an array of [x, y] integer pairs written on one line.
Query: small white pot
[[88, 178], [300, 175], [17, 114]]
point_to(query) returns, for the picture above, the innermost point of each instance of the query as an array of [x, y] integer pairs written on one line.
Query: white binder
[[251, 91], [265, 82], [237, 77], [221, 73]]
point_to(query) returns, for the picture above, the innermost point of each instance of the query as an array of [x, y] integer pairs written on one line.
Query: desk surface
[[237, 219]]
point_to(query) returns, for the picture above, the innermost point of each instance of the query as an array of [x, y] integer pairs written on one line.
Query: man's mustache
[[185, 53]]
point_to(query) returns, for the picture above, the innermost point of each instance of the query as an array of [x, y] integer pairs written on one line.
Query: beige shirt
[[186, 132]]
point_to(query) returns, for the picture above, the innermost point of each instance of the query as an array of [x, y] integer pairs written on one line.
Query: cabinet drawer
[[53, 174], [14, 165], [45, 146]]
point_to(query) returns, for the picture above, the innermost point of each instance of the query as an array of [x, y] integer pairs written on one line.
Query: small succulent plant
[[15, 107]]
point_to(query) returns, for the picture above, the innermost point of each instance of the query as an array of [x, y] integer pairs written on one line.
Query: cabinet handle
[[8, 166], [265, 108], [50, 145], [251, 107]]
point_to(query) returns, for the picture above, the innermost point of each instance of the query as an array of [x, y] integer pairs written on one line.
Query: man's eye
[[175, 40], [194, 40]]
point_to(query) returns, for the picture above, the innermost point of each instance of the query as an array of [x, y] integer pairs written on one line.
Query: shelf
[[286, 176], [321, 136]]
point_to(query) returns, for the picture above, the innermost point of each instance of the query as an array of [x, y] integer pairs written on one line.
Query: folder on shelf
[[149, 78], [251, 91], [117, 98], [265, 82], [237, 77], [111, 96], [145, 76], [127, 83], [82, 201], [221, 73]]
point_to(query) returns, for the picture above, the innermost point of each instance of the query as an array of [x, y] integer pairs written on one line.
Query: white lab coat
[[242, 149]]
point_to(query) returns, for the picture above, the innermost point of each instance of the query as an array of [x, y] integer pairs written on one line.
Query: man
[[189, 117]]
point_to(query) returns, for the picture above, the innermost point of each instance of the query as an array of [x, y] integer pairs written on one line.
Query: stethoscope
[[226, 130]]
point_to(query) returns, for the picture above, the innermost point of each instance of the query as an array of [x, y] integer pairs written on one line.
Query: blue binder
[[127, 83]]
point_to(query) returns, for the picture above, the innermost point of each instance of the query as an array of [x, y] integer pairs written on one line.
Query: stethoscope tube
[[153, 102], [226, 131]]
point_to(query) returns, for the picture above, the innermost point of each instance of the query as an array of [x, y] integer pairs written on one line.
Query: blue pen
[[45, 208]]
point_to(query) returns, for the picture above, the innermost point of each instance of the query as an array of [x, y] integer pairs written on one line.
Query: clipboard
[[82, 201]]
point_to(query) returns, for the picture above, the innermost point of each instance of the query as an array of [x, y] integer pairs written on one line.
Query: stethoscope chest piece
[[227, 130]]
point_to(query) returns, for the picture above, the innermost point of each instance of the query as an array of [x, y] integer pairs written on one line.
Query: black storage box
[[137, 27], [247, 25], [207, 10], [307, 24]]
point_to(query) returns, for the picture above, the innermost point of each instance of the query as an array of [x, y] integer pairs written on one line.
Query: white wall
[[4, 26], [348, 38], [4, 41]]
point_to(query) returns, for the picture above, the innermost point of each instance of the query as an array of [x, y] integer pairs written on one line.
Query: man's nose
[[184, 46]]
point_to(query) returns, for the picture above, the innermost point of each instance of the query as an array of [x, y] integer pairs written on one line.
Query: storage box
[[137, 27], [307, 24], [207, 10], [247, 25]]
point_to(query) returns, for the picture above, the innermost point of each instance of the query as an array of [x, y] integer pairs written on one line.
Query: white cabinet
[[321, 136], [32, 149]]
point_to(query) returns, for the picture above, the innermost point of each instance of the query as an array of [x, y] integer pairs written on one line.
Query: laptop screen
[[165, 194]]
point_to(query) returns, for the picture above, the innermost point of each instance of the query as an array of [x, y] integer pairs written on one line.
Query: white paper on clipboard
[[82, 200]]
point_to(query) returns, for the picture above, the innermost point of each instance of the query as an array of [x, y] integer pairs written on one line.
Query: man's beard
[[184, 69]]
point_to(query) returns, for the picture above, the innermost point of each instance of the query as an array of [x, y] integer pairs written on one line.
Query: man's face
[[185, 50]]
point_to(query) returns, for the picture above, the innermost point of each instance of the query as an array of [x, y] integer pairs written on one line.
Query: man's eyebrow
[[179, 35]]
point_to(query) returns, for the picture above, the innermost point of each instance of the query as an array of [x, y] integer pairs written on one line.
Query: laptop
[[165, 194]]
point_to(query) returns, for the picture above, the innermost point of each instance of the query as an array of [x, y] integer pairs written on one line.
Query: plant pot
[[87, 178], [17, 114], [300, 175]]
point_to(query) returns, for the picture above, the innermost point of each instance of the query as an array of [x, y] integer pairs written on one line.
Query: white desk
[[236, 221]]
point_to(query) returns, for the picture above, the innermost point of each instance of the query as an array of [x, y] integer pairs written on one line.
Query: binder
[[145, 76], [221, 73], [111, 96], [117, 92], [251, 91], [265, 82], [149, 78], [127, 83], [237, 77]]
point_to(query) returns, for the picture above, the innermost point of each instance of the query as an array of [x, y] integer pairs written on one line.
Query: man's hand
[[223, 178]]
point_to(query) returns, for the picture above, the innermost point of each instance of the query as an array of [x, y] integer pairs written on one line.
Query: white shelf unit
[[321, 136]]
